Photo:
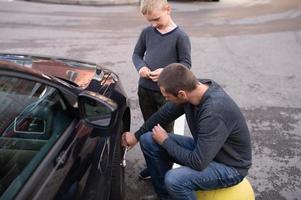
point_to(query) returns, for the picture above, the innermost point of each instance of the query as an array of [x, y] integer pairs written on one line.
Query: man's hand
[[129, 139], [144, 72], [159, 134], [154, 75]]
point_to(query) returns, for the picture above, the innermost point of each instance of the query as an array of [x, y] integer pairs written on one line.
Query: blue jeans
[[181, 183]]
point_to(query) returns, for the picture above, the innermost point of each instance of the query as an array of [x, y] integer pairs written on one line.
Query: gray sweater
[[218, 127], [156, 50]]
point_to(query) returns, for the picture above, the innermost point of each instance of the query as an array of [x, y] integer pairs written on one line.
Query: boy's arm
[[139, 51], [184, 50]]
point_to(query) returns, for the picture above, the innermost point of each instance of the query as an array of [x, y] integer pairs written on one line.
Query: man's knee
[[146, 140], [171, 180]]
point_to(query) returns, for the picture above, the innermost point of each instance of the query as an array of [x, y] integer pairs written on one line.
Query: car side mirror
[[95, 109]]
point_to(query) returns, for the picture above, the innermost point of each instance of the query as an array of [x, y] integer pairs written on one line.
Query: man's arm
[[166, 114], [211, 136]]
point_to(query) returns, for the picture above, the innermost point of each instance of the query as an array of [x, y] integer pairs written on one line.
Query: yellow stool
[[241, 191]]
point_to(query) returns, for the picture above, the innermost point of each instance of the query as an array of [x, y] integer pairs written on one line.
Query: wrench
[[123, 164]]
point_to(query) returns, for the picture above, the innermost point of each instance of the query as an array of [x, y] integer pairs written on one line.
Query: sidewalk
[[89, 2]]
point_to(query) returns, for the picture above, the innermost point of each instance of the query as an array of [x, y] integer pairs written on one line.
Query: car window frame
[[44, 163], [68, 91]]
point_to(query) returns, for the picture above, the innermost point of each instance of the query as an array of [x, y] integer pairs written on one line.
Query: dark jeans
[[150, 101], [181, 183]]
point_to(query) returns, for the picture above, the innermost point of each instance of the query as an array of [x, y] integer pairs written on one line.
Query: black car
[[61, 122]]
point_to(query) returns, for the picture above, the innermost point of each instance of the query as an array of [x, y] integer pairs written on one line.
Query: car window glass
[[32, 117]]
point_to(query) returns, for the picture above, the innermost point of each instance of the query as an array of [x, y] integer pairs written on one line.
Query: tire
[[118, 178]]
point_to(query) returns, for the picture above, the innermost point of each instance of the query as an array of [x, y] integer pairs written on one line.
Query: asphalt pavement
[[251, 47]]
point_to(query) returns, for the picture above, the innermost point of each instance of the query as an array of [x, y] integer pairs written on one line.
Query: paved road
[[251, 47]]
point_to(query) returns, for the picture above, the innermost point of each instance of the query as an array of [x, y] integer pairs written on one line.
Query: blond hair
[[148, 6]]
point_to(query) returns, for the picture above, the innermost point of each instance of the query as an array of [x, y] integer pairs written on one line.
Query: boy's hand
[[159, 134], [154, 75], [144, 72]]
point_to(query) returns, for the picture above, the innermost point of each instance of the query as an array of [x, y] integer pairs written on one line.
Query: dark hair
[[176, 77]]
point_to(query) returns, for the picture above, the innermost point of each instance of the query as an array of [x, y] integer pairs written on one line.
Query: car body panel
[[62, 166]]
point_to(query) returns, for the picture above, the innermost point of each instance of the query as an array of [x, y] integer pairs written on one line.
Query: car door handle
[[61, 159]]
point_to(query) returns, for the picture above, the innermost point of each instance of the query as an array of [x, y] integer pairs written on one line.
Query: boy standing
[[159, 44]]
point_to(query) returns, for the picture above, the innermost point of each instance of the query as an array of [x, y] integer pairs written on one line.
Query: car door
[[45, 150]]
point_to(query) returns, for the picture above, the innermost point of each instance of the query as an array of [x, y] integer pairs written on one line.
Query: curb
[[90, 2]]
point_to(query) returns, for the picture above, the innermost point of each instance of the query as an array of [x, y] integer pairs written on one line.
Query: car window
[[32, 117]]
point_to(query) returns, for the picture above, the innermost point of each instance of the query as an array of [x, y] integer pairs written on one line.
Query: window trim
[[69, 92]]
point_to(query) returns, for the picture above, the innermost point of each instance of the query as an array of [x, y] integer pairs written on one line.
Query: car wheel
[[118, 180]]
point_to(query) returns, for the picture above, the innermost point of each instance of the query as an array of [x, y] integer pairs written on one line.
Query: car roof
[[14, 67], [77, 72]]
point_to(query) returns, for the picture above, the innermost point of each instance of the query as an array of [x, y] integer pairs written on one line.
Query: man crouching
[[217, 155]]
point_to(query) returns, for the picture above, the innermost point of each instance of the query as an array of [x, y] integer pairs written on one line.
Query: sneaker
[[144, 174]]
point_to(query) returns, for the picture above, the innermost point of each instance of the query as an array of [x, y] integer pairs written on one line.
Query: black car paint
[[76, 153]]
